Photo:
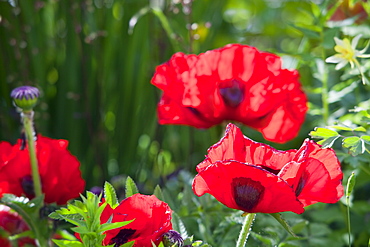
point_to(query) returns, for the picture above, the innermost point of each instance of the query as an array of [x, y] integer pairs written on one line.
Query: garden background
[[93, 61]]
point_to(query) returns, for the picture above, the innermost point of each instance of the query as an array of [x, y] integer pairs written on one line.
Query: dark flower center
[[27, 186], [122, 237], [247, 192], [232, 95]]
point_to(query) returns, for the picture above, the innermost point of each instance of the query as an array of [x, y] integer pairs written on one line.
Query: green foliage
[[131, 187], [85, 216], [110, 195], [29, 210], [354, 143]]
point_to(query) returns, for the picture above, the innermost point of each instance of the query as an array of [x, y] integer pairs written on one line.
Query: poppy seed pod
[[25, 97]]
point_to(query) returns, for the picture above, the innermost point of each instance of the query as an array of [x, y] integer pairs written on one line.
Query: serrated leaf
[[324, 133], [355, 145], [284, 224], [68, 243], [131, 187], [110, 195], [178, 225], [158, 193]]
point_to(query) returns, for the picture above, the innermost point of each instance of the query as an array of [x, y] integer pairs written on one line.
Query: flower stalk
[[25, 98], [246, 228], [27, 118]]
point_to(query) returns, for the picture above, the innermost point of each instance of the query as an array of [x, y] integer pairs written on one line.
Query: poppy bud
[[172, 238], [25, 97]]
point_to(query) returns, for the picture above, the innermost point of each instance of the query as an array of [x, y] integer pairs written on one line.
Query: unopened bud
[[172, 238], [25, 97]]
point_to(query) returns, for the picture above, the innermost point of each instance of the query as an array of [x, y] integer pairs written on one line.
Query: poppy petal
[[234, 145], [246, 187], [236, 82]]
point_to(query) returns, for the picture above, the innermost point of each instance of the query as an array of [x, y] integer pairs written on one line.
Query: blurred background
[[93, 61]]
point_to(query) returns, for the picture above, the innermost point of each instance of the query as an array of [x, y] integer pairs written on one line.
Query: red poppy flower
[[13, 224], [236, 82], [152, 220], [59, 170], [254, 177]]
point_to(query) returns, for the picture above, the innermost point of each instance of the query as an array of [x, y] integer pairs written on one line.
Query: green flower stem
[[244, 233], [29, 131], [325, 96]]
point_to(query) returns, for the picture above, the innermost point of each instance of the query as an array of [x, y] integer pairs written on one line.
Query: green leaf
[[178, 225], [284, 224], [110, 226], [362, 129], [131, 187], [329, 136], [328, 142], [350, 184], [366, 139], [129, 244], [340, 127], [310, 31], [355, 145], [158, 193], [320, 132], [22, 235], [67, 243], [110, 195], [135, 18]]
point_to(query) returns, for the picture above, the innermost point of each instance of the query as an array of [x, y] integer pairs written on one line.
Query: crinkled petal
[[234, 145], [235, 82]]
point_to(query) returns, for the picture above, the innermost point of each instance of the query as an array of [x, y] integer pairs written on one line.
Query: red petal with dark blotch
[[235, 82], [246, 187], [152, 220]]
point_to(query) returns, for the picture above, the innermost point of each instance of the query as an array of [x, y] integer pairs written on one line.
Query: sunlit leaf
[[320, 132], [366, 139], [110, 226], [328, 142], [67, 243], [362, 129], [340, 127], [110, 195], [131, 187], [355, 145]]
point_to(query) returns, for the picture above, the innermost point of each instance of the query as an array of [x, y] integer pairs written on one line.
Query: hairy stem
[[244, 233]]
